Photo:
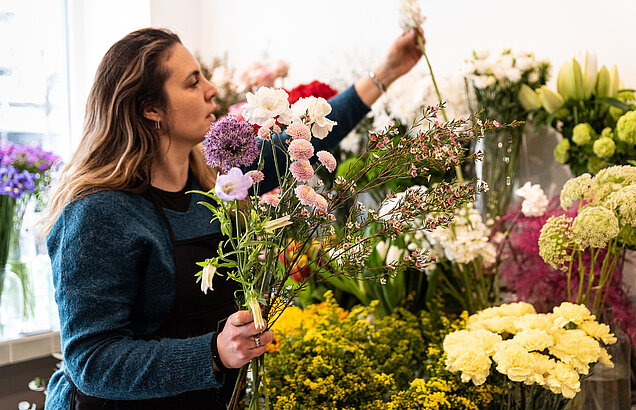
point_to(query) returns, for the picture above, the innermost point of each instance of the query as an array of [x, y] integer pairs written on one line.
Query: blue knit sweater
[[114, 275]]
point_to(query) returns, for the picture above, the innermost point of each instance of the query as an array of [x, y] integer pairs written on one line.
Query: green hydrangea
[[561, 151], [626, 128], [627, 235], [625, 96], [604, 147], [595, 164], [594, 227], [608, 133], [583, 133]]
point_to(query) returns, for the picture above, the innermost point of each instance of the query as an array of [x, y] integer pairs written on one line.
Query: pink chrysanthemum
[[298, 130], [300, 149], [327, 160], [302, 170], [270, 199], [321, 203], [306, 194], [257, 176], [270, 126]]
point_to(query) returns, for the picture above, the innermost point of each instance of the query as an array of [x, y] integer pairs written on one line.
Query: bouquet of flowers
[[596, 119], [260, 227], [24, 172], [530, 279], [605, 224], [539, 358], [493, 84]]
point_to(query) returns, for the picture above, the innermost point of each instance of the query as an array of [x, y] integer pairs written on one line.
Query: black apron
[[193, 313]]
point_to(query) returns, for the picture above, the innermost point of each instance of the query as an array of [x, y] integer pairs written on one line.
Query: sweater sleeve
[[97, 259], [347, 109]]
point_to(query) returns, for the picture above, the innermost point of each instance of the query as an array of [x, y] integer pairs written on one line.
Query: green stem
[[458, 169]]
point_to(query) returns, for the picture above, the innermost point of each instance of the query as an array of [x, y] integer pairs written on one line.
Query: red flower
[[313, 89]]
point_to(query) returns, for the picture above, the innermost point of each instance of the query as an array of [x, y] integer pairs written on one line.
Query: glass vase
[[11, 305], [500, 170], [608, 388]]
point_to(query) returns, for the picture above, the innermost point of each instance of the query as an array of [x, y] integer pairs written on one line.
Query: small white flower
[[266, 104], [317, 110], [206, 278], [410, 15], [535, 202]]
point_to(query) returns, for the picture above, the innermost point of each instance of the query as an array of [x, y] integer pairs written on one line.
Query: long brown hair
[[119, 144]]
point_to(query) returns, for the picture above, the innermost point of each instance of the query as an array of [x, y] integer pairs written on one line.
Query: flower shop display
[[324, 353], [24, 174], [595, 117], [259, 229], [493, 84], [465, 259], [539, 358], [525, 273]]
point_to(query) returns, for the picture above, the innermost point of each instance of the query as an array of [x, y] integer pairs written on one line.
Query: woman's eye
[[195, 84]]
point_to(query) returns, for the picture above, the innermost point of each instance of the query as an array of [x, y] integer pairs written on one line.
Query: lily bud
[[529, 98], [589, 74], [603, 83], [574, 81], [561, 87], [550, 100], [614, 82]]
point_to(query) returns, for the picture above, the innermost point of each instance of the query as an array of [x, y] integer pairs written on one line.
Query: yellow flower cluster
[[551, 350]]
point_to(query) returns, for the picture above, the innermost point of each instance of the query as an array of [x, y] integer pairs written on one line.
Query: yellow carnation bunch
[[552, 350]]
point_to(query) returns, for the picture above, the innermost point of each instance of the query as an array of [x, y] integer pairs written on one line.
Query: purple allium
[[233, 185], [229, 143]]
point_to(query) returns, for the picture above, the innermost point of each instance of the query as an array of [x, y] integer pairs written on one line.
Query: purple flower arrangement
[[23, 169]]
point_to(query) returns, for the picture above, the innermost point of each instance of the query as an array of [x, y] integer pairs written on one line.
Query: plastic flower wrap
[[271, 235], [595, 117], [552, 350]]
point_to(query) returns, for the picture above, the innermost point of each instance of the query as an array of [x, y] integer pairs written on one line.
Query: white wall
[[330, 38]]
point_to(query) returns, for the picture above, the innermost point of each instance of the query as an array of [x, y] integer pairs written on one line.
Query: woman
[[123, 237]]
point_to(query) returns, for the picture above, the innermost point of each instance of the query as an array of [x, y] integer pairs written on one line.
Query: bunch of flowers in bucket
[[539, 358], [260, 227]]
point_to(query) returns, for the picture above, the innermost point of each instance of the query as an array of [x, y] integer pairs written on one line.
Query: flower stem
[[458, 169]]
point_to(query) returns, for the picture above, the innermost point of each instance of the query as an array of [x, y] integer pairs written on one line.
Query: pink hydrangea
[[270, 199], [306, 194], [257, 176], [270, 126], [327, 160], [298, 130], [321, 203], [300, 149], [302, 170]]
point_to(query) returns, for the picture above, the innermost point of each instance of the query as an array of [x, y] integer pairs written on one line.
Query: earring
[[157, 125]]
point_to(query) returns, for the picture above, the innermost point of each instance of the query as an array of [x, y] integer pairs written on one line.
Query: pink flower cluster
[[302, 170]]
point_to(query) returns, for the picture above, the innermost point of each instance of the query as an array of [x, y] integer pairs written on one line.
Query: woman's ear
[[152, 113]]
